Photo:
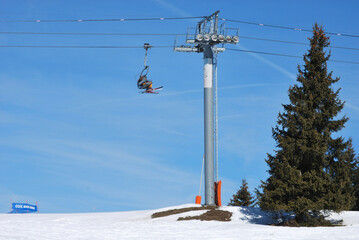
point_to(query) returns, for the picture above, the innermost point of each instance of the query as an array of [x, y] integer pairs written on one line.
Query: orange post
[[217, 193], [198, 199], [219, 201]]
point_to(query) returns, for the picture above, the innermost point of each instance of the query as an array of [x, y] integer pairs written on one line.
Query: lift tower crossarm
[[209, 18]]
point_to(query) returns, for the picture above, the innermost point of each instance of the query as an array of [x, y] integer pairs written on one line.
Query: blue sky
[[76, 135]]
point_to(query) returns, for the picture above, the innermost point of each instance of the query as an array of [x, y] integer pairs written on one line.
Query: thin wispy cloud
[[182, 92], [253, 85], [97, 153], [351, 106], [271, 64], [117, 101], [171, 131], [174, 9]]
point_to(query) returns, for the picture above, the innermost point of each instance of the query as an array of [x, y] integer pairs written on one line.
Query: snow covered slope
[[247, 223]]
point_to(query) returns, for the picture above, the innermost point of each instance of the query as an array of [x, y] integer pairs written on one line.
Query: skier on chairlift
[[143, 82]]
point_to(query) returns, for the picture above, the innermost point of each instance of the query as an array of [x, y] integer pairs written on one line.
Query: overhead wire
[[98, 20], [291, 42], [215, 112], [169, 34], [37, 46], [101, 34], [284, 55], [124, 47], [288, 28], [170, 18], [162, 34]]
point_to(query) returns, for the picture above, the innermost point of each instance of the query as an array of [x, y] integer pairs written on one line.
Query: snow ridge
[[247, 223]]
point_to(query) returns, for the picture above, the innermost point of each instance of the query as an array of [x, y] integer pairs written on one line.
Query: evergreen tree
[[343, 175], [243, 197], [305, 171], [356, 183]]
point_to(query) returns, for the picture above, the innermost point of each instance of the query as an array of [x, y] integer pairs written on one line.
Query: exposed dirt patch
[[211, 215], [181, 210]]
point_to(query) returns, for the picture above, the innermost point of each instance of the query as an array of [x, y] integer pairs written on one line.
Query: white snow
[[247, 223]]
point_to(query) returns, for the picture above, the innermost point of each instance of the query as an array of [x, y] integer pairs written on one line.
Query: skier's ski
[[158, 88], [153, 90]]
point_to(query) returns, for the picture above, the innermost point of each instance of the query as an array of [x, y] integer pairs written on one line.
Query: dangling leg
[[147, 85], [141, 82]]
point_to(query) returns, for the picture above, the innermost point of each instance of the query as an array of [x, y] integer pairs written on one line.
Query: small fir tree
[[257, 197], [356, 183], [243, 197], [309, 170], [343, 176]]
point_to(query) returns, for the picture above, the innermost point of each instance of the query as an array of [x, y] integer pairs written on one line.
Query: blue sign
[[23, 208]]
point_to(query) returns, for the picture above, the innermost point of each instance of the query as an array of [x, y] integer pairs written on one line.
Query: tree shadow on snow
[[255, 216]]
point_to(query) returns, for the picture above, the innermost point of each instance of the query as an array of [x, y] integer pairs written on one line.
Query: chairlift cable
[[289, 28], [104, 34], [200, 183], [285, 55], [129, 47], [38, 46], [96, 20], [216, 114], [162, 34]]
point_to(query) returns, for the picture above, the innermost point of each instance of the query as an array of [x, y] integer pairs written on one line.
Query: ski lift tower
[[205, 40]]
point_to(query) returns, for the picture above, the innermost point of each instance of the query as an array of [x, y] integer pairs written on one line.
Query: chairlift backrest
[[145, 70]]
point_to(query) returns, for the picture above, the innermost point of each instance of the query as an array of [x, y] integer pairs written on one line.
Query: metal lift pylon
[[206, 38]]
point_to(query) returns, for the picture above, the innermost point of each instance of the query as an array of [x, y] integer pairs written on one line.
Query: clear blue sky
[[76, 135]]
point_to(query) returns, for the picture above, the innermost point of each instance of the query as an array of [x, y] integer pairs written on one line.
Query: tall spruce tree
[[305, 175], [243, 197]]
